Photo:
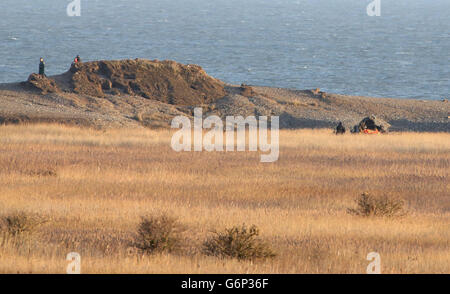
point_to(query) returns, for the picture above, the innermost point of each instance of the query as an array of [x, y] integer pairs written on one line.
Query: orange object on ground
[[371, 132]]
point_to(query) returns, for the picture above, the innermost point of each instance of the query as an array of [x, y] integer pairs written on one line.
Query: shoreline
[[4, 85], [125, 107]]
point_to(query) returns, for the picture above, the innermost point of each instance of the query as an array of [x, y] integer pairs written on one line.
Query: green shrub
[[158, 234], [368, 205], [238, 242]]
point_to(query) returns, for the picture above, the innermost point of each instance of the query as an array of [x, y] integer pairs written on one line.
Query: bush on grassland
[[19, 223], [159, 233], [368, 205], [238, 242]]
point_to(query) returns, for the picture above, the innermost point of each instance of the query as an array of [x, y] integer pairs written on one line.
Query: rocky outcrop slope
[[165, 81], [145, 93]]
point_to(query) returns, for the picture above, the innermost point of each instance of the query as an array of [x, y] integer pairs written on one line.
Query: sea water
[[301, 44]]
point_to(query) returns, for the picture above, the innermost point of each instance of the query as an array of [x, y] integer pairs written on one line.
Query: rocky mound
[[165, 81], [246, 90], [41, 83], [132, 93]]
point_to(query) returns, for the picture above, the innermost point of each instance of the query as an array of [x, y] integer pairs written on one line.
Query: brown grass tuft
[[368, 205], [19, 223], [238, 242], [158, 234]]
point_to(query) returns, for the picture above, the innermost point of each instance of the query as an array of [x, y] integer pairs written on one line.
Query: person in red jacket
[[76, 60]]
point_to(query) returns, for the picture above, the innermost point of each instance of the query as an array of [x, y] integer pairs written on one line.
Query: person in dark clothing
[[42, 67], [368, 123], [340, 129]]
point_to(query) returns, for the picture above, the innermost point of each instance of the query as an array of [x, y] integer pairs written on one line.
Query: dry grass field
[[93, 186]]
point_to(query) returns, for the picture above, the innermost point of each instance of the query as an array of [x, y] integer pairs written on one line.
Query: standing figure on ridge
[[42, 67], [76, 60]]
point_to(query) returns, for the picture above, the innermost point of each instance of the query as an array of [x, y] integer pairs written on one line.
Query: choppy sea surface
[[327, 44]]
